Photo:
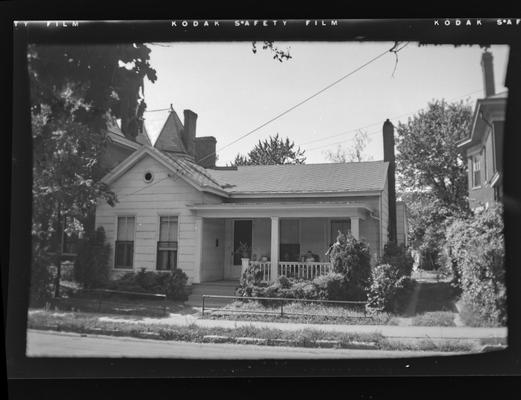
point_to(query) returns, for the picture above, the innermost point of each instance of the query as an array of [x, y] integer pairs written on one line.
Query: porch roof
[[285, 209]]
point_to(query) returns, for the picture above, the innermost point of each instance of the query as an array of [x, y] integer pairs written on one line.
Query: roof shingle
[[304, 178]]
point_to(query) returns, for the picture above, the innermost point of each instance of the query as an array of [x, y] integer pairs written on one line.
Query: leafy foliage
[[351, 258], [278, 54], [475, 248], [75, 92], [427, 157], [355, 153], [433, 175], [272, 151], [173, 283], [349, 281], [98, 78], [41, 278], [398, 256], [91, 267], [390, 290]]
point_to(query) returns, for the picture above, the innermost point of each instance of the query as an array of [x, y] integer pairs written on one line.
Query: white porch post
[[274, 248], [355, 227], [198, 249]]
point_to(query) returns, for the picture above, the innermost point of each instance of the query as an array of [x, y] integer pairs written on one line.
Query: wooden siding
[[147, 202]]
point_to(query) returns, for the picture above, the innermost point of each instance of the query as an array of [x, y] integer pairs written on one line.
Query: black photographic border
[[18, 163]]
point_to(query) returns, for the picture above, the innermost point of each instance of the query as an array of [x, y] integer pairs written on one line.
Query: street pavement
[[59, 344]]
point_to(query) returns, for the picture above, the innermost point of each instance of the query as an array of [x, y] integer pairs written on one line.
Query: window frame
[[169, 251], [117, 242], [473, 158]]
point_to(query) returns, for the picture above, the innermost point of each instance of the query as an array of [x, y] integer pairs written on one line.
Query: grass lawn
[[296, 312], [434, 318], [90, 324], [121, 305]]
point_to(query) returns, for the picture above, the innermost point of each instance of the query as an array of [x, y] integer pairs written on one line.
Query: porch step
[[218, 288]]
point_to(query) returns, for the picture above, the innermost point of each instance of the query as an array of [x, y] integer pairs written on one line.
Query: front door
[[242, 233]]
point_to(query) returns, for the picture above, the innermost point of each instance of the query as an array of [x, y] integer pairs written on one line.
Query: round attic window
[[148, 177]]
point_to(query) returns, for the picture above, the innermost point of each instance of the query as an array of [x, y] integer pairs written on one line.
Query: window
[[148, 177], [476, 170], [342, 225], [289, 249], [124, 257], [167, 244]]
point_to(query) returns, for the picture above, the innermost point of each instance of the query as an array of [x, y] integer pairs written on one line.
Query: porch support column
[[198, 249], [355, 227], [274, 248]]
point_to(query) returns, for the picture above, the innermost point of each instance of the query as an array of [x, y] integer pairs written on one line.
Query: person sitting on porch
[[310, 257]]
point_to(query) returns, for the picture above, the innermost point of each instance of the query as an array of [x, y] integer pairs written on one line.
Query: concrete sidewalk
[[386, 330]]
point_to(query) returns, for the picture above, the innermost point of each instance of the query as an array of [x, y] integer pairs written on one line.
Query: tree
[[75, 91], [432, 174], [278, 54], [272, 151], [427, 157], [355, 153]]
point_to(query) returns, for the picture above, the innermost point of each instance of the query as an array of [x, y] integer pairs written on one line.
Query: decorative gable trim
[[167, 162]]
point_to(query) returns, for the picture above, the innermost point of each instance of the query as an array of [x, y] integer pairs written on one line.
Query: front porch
[[293, 242]]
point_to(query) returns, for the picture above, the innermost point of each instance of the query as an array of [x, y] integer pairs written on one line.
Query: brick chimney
[[188, 134], [205, 151], [487, 67], [388, 140]]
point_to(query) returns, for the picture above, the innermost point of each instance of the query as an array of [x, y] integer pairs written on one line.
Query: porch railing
[[290, 269], [304, 270]]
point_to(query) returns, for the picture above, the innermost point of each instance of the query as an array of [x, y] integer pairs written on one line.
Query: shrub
[[390, 290], [176, 285], [399, 256], [172, 284], [476, 251], [91, 267], [331, 286], [41, 278]]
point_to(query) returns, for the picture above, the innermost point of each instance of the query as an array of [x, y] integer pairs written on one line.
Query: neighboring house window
[[167, 244], [342, 225], [484, 162], [125, 243], [289, 240], [476, 170]]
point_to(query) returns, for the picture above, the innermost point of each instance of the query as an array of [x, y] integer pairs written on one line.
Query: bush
[[476, 251], [351, 262], [351, 258], [41, 279], [390, 290], [91, 267], [399, 256], [172, 284]]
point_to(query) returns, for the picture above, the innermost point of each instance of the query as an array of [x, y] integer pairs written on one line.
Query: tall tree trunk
[[59, 250]]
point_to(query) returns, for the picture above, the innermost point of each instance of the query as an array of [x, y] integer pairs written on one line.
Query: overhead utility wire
[[392, 49], [378, 123]]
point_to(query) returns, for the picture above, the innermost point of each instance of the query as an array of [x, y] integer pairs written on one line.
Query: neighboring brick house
[[483, 148], [177, 209]]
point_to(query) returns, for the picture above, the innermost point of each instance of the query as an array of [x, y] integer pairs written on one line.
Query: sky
[[234, 91]]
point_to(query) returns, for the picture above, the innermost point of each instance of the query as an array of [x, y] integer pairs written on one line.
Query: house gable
[[177, 168]]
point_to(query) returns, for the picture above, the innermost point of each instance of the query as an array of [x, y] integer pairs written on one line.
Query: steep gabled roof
[[169, 138], [495, 102], [307, 178], [142, 137]]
